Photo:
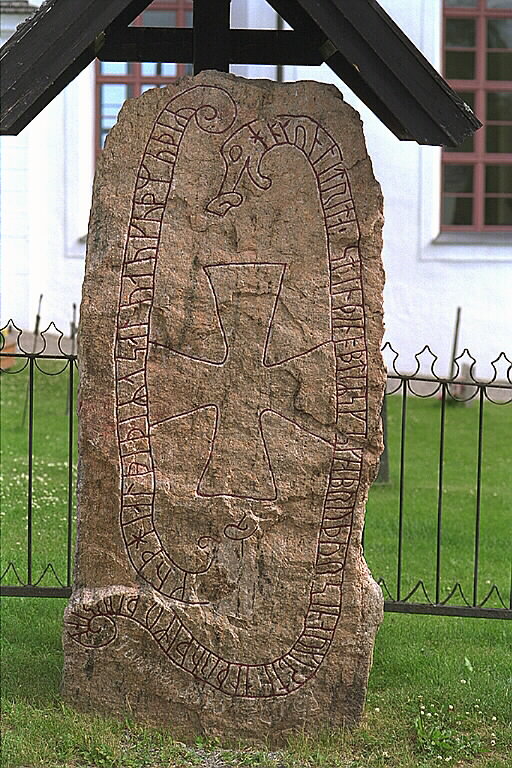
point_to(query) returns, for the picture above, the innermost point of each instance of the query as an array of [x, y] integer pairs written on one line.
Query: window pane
[[159, 19], [498, 138], [460, 65], [166, 69], [498, 210], [148, 68], [498, 178], [169, 70], [112, 97], [461, 3], [189, 19], [499, 4], [114, 67], [460, 33], [499, 33], [458, 178], [188, 69], [466, 146], [458, 210], [499, 105], [499, 66], [152, 68]]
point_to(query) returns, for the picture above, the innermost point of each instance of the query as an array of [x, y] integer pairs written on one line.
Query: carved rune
[[243, 388]]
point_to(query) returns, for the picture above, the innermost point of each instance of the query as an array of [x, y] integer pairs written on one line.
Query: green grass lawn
[[50, 471], [459, 500], [458, 670]]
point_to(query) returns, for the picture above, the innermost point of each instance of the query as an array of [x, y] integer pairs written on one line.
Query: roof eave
[[385, 70]]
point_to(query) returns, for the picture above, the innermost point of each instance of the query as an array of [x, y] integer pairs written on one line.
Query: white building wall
[[14, 208], [46, 181], [426, 281], [14, 249], [47, 178]]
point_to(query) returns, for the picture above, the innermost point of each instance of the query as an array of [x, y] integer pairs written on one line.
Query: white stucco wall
[[14, 207], [47, 177], [426, 282], [46, 181]]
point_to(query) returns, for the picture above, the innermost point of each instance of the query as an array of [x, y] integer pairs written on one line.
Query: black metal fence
[[476, 496], [438, 518]]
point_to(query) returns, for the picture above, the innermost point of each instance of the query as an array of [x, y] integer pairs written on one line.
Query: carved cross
[[242, 388]]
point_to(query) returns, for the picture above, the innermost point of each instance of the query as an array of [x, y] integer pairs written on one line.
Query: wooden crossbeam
[[246, 46], [356, 38]]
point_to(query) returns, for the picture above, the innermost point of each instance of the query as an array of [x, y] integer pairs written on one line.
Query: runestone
[[230, 392]]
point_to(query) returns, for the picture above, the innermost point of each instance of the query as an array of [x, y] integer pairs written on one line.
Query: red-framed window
[[117, 81], [477, 176]]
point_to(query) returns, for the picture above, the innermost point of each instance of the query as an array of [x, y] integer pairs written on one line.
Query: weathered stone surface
[[231, 384]]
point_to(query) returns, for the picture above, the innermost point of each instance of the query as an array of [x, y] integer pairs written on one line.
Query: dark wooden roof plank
[[395, 50], [389, 69], [412, 109], [37, 66], [211, 35], [352, 77], [359, 41], [247, 46], [269, 46], [30, 108]]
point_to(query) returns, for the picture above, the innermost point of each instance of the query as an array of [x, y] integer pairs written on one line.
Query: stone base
[[119, 667]]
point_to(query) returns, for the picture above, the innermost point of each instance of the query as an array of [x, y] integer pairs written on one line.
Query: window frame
[[135, 79], [480, 86]]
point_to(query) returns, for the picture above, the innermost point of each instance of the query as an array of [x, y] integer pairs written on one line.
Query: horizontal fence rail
[[439, 504]]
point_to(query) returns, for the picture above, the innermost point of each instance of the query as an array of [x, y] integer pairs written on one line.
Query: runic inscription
[[244, 398]]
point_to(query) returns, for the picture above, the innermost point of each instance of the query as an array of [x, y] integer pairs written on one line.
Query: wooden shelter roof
[[356, 38]]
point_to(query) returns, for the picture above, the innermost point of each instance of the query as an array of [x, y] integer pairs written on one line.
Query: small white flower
[[377, 709], [429, 714], [493, 718], [450, 707], [463, 681]]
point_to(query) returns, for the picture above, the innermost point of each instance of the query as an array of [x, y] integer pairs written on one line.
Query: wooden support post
[[455, 343], [279, 67], [383, 476], [211, 35]]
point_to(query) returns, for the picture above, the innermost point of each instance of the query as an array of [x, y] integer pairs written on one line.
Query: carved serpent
[[213, 111]]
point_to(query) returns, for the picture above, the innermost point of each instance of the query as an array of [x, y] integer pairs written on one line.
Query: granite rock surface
[[230, 392]]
